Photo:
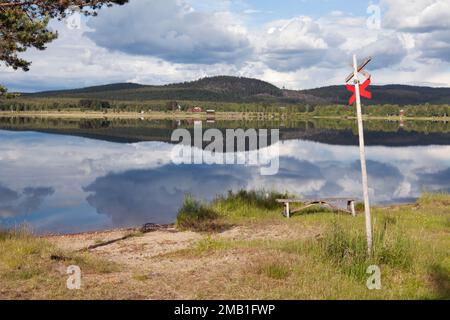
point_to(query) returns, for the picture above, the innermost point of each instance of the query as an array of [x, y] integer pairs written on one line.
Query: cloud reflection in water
[[44, 174]]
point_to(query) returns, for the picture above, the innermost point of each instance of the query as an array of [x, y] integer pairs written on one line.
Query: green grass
[[434, 199], [203, 247], [322, 255], [196, 216], [243, 205], [410, 246], [346, 248], [33, 264], [208, 243], [141, 277], [275, 270], [260, 199], [235, 206], [22, 254]]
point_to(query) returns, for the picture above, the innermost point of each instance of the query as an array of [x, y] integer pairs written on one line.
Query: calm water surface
[[89, 177]]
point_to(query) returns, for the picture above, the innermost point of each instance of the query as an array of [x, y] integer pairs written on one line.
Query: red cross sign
[[362, 91]]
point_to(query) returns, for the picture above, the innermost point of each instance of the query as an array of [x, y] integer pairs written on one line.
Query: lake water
[[68, 176]]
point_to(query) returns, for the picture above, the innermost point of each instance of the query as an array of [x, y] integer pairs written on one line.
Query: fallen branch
[[146, 228]]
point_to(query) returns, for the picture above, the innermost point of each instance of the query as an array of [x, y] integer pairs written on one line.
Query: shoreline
[[102, 231], [156, 115], [140, 228], [256, 254]]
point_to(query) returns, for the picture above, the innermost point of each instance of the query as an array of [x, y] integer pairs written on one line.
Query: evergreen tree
[[24, 24]]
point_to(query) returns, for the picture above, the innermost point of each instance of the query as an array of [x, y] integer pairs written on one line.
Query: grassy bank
[[240, 246], [30, 265], [411, 245]]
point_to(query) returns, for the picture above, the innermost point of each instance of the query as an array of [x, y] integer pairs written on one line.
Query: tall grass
[[434, 199], [274, 270], [196, 216], [260, 199], [21, 253], [347, 248], [24, 256]]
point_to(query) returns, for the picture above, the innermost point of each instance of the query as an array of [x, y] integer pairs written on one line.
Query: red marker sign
[[362, 91]]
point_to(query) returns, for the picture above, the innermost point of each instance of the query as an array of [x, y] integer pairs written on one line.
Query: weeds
[[207, 244], [275, 270]]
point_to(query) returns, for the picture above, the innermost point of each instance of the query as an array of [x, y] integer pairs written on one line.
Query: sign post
[[362, 154]]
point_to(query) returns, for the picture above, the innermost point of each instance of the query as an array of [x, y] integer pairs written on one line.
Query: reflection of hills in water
[[336, 132], [63, 183]]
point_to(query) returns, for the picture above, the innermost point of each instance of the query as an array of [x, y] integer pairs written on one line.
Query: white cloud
[[417, 16], [290, 45], [172, 41], [73, 60], [434, 45], [63, 168], [171, 30]]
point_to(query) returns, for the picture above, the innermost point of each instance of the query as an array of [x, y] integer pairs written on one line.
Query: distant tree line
[[387, 110], [161, 128], [94, 104], [58, 104]]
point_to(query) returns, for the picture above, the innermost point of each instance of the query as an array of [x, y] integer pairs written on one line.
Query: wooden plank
[[315, 200], [360, 68], [322, 204], [304, 207], [318, 202], [351, 207]]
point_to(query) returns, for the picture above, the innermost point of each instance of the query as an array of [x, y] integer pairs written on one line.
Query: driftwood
[[149, 227], [146, 228], [105, 243]]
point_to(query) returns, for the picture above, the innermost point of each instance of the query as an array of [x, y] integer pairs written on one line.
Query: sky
[[296, 44]]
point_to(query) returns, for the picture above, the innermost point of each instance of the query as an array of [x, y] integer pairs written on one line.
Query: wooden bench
[[327, 202]]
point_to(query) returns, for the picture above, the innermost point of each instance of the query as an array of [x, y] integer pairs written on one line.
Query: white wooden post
[[362, 156], [287, 209]]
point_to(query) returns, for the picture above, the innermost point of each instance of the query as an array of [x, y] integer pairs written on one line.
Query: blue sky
[[298, 44], [314, 8]]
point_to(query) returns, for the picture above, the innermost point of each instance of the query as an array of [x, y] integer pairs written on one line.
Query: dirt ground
[[139, 250], [160, 264]]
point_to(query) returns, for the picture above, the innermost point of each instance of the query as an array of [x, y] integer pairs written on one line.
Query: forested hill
[[238, 89], [231, 85], [220, 88], [389, 94]]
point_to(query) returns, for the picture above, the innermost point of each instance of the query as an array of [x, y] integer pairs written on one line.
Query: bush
[[196, 216], [359, 206]]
